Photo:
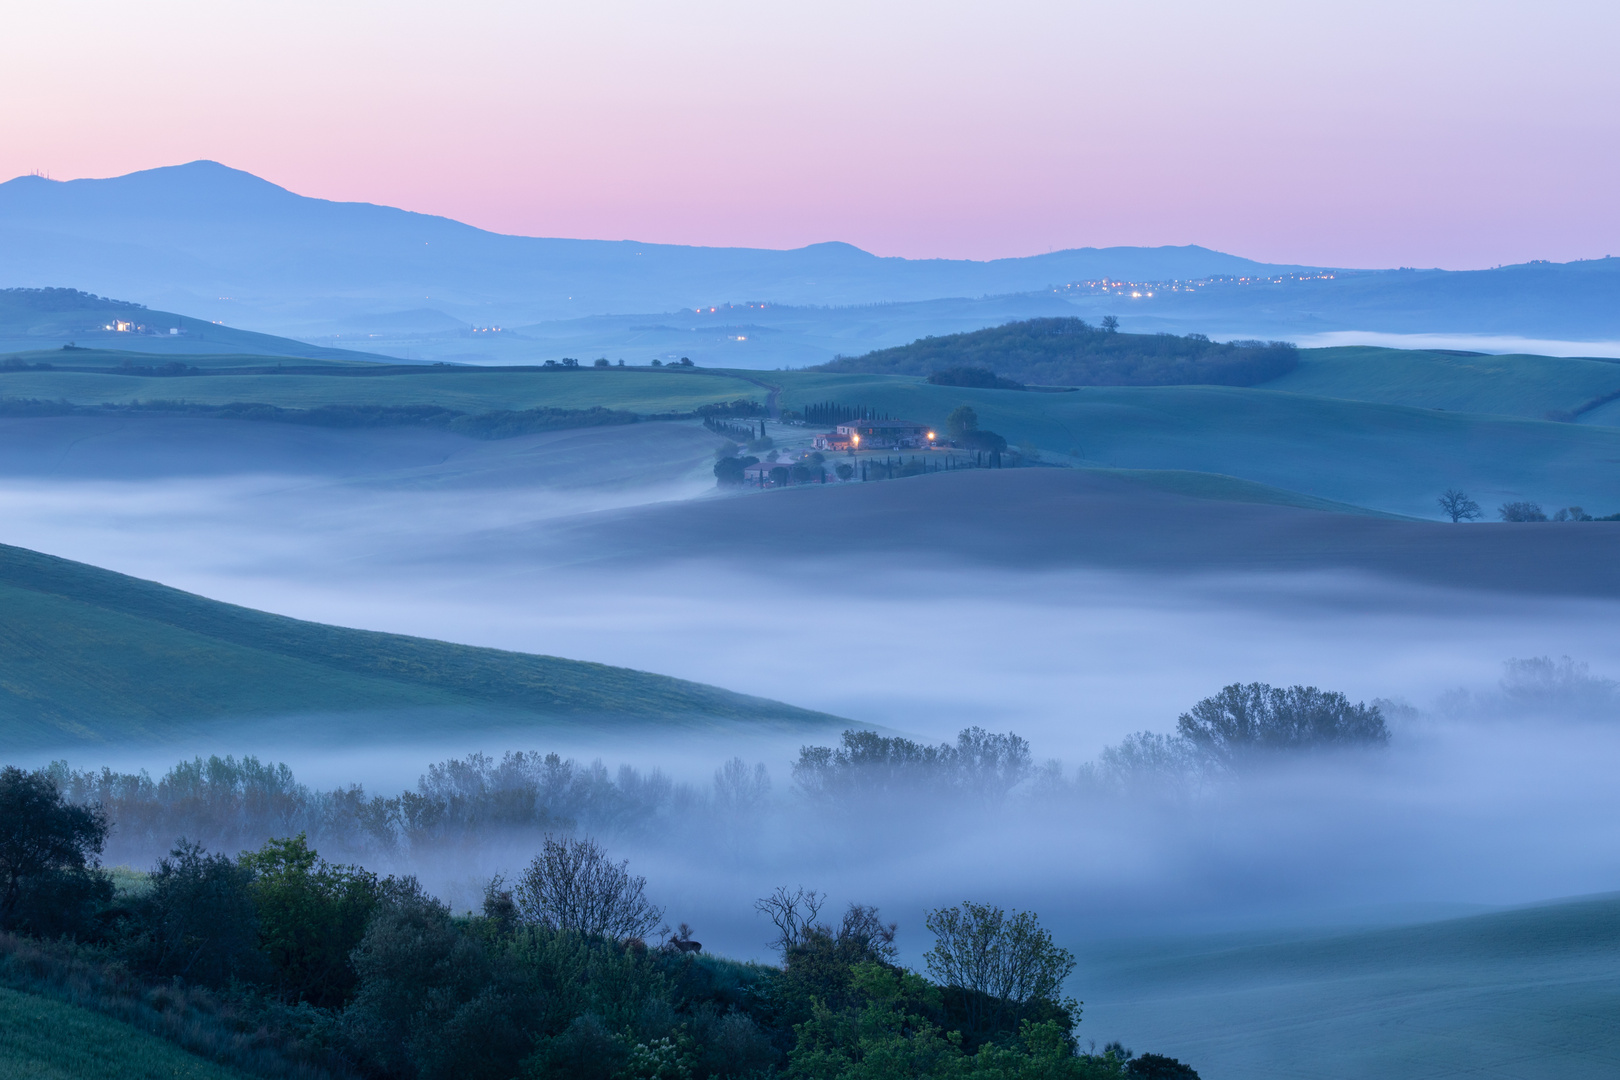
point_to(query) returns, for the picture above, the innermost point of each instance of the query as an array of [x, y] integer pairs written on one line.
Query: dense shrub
[[50, 882], [198, 922], [312, 914], [1521, 511], [977, 377]]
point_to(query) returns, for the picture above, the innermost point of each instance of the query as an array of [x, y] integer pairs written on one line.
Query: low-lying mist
[[1493, 794], [1488, 796]]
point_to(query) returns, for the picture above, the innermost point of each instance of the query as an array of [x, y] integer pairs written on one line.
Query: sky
[[1374, 133]]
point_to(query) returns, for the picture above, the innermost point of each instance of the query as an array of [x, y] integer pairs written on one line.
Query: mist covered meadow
[[1492, 789]]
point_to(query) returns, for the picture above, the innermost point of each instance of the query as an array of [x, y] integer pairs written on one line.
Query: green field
[[1527, 386], [1376, 428], [88, 656], [472, 390], [42, 1039], [1528, 994], [1386, 457]]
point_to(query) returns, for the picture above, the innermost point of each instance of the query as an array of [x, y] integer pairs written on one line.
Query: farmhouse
[[877, 435], [832, 440]]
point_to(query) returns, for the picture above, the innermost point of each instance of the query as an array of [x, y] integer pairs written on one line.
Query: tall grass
[[237, 1031]]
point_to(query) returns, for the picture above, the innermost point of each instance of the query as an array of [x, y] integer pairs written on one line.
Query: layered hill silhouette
[[89, 656], [209, 238], [228, 246]]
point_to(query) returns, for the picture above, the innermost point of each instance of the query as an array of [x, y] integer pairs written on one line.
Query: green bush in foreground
[[280, 963]]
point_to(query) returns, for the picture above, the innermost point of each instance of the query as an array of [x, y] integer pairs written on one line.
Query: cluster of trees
[[962, 425], [558, 975], [465, 805], [735, 432], [1242, 727], [982, 766], [730, 410], [229, 803], [1459, 507], [1071, 352], [978, 377], [829, 413]]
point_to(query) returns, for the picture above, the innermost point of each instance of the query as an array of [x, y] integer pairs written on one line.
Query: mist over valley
[[431, 652]]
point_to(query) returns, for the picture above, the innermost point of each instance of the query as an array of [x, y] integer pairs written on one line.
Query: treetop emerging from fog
[[1244, 719]]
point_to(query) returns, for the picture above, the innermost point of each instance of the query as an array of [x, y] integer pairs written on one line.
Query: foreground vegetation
[[281, 963], [46, 1039]]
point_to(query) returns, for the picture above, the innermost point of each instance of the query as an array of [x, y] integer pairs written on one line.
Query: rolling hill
[[124, 378], [50, 318], [1394, 458], [1530, 993], [88, 656], [1156, 523], [1534, 387], [1378, 428], [1071, 352]]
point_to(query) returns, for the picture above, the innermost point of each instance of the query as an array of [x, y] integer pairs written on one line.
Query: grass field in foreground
[[41, 1039], [1528, 994], [90, 656]]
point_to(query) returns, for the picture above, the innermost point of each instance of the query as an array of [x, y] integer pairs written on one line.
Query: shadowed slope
[[1530, 993], [90, 655], [1060, 518]]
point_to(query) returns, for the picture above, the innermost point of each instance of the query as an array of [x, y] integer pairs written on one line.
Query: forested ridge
[[1072, 352]]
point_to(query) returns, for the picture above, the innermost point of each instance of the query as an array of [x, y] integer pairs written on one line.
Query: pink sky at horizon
[[1370, 134]]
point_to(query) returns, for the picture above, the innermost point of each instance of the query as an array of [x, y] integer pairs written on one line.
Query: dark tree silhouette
[[49, 880], [1458, 506], [1240, 721], [1521, 511]]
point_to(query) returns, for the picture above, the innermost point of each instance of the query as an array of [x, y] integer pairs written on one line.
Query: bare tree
[[1458, 506], [573, 885], [793, 912], [864, 930], [1002, 961], [740, 790]]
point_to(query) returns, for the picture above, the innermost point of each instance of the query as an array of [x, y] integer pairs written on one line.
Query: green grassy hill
[[472, 390], [90, 656], [1378, 428], [1528, 994], [1386, 457], [1527, 386], [1070, 352], [42, 1039], [32, 319]]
